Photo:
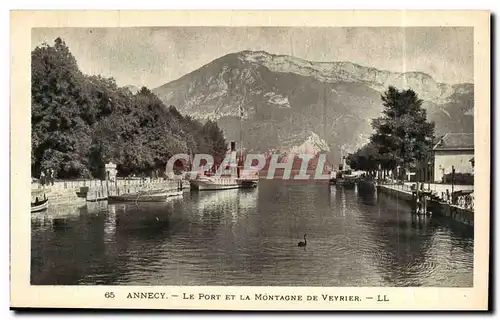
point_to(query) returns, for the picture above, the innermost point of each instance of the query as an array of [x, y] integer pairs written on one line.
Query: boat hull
[[208, 185], [343, 183], [367, 185], [42, 205], [222, 184], [157, 197], [97, 199], [249, 184]]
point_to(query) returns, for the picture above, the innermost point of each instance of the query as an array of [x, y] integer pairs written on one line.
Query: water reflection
[[418, 245], [110, 224], [225, 201], [249, 237]]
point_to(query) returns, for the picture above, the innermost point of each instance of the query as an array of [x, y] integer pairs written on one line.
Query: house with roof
[[453, 150]]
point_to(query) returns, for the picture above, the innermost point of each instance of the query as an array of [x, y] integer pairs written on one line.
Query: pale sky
[[154, 56]]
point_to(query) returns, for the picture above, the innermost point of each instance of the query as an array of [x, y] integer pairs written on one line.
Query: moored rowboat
[[211, 183], [39, 205], [158, 196]]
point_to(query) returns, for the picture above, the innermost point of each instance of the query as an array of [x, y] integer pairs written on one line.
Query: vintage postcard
[[247, 160]]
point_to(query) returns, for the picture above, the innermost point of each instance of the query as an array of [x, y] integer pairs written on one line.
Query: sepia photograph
[[254, 156]]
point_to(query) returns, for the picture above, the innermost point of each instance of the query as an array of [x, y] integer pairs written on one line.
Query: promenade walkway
[[436, 187], [439, 191], [65, 191]]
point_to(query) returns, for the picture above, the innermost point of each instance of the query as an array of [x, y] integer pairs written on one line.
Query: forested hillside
[[80, 122]]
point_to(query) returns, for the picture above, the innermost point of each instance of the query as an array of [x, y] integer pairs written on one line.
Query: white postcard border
[[25, 295]]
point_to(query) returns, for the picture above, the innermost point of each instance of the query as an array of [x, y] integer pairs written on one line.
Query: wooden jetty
[[421, 200]]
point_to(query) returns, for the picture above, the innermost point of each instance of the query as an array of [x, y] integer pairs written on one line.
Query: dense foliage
[[402, 136], [81, 122], [459, 178], [368, 158]]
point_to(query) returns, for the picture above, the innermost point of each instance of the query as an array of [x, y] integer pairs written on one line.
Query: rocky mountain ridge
[[281, 102]]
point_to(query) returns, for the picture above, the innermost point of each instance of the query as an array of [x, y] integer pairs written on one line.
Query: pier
[[81, 191], [435, 199]]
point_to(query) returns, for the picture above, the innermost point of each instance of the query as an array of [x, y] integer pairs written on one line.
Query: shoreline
[[440, 208]]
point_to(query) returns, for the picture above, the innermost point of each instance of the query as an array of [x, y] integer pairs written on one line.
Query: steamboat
[[239, 178]]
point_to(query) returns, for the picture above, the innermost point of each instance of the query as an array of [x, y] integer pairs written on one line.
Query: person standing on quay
[[42, 178], [52, 176]]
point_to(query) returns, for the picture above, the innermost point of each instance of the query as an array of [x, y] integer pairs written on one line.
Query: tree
[[59, 133], [215, 141], [403, 136], [80, 122]]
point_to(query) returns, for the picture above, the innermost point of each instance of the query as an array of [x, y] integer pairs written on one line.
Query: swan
[[303, 243]]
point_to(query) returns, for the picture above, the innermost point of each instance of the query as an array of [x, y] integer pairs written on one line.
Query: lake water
[[249, 238]]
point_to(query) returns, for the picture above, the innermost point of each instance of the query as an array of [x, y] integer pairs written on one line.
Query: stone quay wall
[[67, 191], [462, 215]]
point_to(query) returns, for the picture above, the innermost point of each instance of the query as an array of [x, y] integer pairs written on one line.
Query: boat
[[344, 178], [249, 183], [212, 183], [97, 198], [222, 183], [148, 196], [345, 182], [367, 185], [39, 205], [82, 193], [241, 178]]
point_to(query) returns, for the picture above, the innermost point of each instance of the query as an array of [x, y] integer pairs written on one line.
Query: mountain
[[312, 145], [276, 102], [457, 113]]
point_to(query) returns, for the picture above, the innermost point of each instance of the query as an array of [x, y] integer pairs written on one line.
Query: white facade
[[111, 171], [444, 160]]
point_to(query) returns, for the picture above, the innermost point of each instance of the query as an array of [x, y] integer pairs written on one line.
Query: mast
[[323, 111], [241, 122], [241, 116], [324, 107], [241, 126]]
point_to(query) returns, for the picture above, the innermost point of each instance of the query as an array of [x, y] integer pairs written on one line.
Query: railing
[[62, 185], [398, 186], [464, 201]]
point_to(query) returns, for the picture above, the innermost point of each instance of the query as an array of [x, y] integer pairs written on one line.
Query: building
[[453, 150], [423, 171]]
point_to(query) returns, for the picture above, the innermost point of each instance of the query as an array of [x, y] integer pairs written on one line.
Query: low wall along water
[[62, 192], [442, 208]]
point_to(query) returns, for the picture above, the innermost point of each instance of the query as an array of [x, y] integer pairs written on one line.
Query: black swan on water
[[303, 243]]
